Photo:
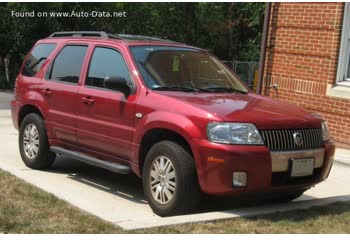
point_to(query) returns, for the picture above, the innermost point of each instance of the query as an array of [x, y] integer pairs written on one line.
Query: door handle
[[46, 92], [88, 100]]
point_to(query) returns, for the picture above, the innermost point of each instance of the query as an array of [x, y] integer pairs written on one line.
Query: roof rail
[[138, 37], [100, 34], [79, 34]]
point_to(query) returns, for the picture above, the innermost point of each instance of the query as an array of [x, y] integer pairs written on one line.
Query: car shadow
[[124, 186], [130, 186]]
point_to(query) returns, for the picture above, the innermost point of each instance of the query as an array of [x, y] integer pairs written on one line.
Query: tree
[[6, 39], [229, 30]]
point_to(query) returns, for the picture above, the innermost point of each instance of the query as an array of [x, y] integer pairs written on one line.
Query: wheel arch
[[155, 135], [27, 109], [158, 126]]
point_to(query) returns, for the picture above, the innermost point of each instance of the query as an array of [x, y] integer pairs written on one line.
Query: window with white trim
[[343, 74]]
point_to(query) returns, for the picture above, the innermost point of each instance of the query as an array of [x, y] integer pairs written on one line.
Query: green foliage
[[229, 30]]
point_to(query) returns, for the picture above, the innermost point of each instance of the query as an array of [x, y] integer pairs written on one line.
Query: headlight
[[325, 131], [234, 133]]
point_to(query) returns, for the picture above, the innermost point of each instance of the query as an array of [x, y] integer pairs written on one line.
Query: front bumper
[[266, 171]]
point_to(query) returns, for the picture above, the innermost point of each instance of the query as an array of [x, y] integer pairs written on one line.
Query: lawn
[[27, 209]]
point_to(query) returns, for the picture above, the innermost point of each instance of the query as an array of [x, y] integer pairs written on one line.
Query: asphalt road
[[5, 99], [119, 198]]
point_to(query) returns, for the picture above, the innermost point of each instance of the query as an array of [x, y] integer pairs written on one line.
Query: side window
[[36, 58], [106, 62], [67, 65]]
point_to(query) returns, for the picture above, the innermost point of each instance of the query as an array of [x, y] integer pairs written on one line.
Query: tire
[[42, 158], [186, 194]]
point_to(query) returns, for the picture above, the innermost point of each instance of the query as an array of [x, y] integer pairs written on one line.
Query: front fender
[[167, 120]]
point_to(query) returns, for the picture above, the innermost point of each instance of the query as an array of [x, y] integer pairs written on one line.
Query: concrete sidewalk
[[342, 156]]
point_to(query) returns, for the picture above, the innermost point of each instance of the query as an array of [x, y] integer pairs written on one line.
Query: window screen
[[343, 73]]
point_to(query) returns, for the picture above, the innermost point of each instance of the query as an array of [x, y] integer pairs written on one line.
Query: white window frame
[[344, 51]]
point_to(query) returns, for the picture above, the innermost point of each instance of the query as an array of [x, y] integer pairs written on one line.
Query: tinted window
[[67, 65], [36, 58], [106, 62]]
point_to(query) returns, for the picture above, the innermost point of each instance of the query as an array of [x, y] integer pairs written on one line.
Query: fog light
[[239, 179]]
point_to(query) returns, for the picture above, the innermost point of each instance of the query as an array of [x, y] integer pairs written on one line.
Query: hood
[[264, 112]]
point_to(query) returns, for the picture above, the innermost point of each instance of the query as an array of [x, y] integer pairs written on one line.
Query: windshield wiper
[[178, 88], [194, 89], [223, 89]]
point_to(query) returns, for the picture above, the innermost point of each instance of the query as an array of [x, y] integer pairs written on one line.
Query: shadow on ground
[[130, 186], [336, 208]]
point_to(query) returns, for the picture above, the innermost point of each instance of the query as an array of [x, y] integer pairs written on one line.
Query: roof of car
[[128, 39]]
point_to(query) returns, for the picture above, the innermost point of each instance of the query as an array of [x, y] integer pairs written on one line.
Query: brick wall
[[301, 57]]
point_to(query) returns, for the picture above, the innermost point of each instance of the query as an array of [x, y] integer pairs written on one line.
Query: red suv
[[173, 114]]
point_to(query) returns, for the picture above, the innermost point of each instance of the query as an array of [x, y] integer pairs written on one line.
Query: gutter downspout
[[263, 46]]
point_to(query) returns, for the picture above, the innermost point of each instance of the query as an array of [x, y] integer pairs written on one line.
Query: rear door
[[30, 79], [107, 117], [60, 89]]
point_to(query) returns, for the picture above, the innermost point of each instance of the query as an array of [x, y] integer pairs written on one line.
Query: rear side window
[[67, 65], [106, 62], [36, 58]]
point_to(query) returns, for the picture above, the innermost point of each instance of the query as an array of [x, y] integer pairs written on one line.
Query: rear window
[[36, 58]]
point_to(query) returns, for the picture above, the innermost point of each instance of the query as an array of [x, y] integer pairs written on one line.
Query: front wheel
[[169, 179], [33, 143]]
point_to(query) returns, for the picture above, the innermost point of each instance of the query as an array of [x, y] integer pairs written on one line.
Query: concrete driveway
[[119, 198]]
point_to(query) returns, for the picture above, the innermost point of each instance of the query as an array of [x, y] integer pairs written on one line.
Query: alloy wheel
[[31, 141], [162, 179]]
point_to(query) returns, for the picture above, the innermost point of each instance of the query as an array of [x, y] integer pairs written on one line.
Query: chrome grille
[[282, 140]]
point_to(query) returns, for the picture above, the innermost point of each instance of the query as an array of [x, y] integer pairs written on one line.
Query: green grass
[[27, 209]]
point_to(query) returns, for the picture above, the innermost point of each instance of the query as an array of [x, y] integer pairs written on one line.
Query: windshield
[[183, 69]]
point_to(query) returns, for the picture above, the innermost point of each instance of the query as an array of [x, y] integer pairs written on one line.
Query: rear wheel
[[169, 179], [33, 143]]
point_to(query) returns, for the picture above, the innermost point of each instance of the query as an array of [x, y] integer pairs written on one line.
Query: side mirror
[[117, 83]]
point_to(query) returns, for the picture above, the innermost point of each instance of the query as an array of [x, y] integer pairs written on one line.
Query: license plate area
[[302, 167]]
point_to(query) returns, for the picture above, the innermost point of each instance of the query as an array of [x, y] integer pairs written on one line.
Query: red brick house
[[307, 60]]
